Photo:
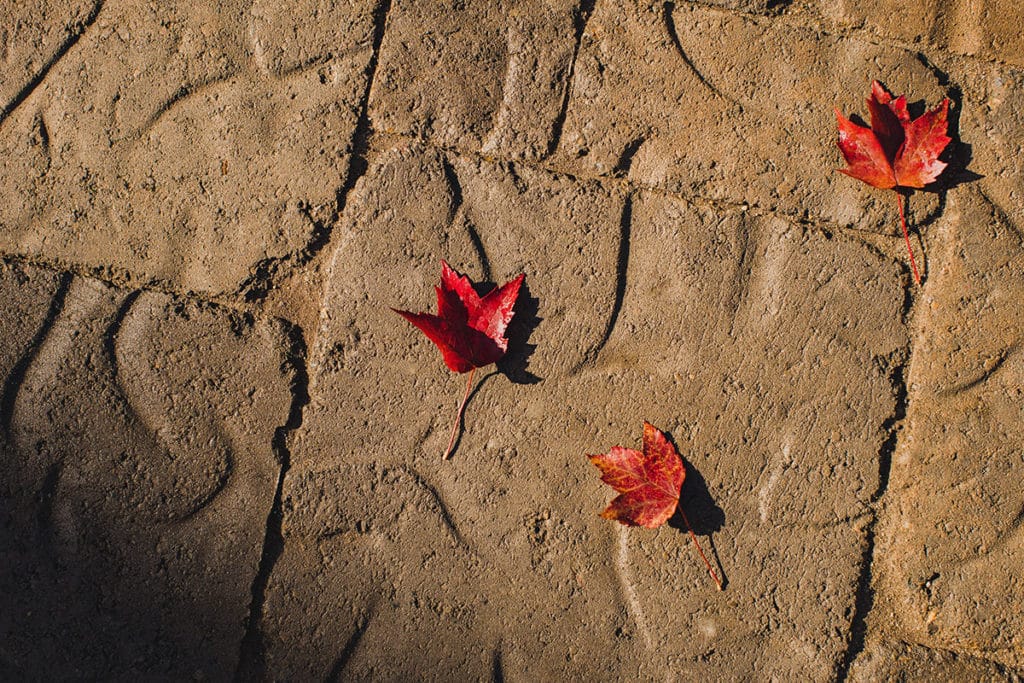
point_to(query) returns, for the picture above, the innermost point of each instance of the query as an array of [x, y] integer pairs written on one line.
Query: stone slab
[[138, 476], [664, 175], [917, 664], [487, 78], [952, 552], [176, 143], [655, 101], [993, 29]]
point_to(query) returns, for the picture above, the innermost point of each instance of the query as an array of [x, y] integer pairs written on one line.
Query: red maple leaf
[[648, 484], [896, 151], [468, 329]]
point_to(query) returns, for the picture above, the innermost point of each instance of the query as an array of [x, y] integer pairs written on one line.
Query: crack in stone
[[251, 662], [16, 378], [819, 225], [338, 669], [266, 273], [858, 32], [125, 280], [621, 272], [121, 279], [670, 27], [582, 16], [864, 599]]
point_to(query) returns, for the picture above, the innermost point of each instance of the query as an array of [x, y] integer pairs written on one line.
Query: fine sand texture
[[221, 449]]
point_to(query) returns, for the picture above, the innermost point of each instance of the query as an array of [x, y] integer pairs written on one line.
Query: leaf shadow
[[515, 363], [698, 511], [957, 155]]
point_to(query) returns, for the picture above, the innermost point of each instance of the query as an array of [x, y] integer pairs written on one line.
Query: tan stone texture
[[220, 449]]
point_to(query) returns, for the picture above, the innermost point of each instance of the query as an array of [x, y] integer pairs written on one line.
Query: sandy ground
[[221, 449]]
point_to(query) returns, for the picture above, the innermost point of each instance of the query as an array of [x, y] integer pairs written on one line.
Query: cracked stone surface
[[220, 451], [992, 30], [486, 77], [505, 506], [711, 122], [956, 573], [919, 664]]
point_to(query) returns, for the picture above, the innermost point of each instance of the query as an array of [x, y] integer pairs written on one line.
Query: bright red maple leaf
[[648, 484], [896, 151], [469, 329]]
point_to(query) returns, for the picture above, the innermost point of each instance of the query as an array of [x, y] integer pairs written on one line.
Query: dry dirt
[[221, 449]]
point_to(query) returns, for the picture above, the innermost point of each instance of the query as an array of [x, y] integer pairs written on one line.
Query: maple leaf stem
[[700, 550], [458, 416], [906, 238]]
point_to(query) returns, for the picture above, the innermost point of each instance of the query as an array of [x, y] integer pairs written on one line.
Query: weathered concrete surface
[[918, 664], [993, 29], [657, 101], [488, 77], [513, 515], [500, 517], [221, 449]]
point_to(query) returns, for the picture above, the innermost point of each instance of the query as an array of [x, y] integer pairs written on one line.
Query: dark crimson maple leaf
[[648, 483], [469, 329], [896, 151]]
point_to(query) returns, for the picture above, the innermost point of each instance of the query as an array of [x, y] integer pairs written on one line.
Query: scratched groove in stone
[[33, 37]]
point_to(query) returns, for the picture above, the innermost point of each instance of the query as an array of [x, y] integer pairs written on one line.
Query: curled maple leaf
[[468, 329], [648, 483], [896, 151]]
